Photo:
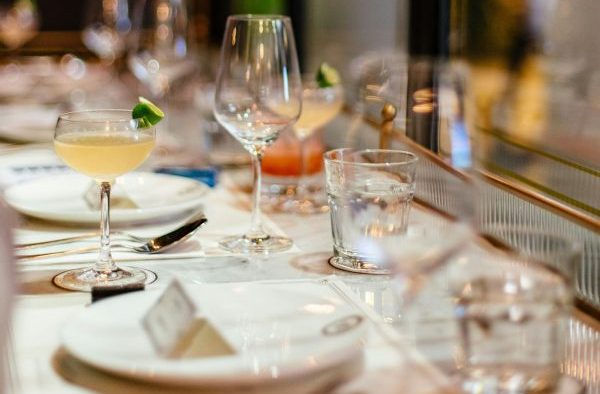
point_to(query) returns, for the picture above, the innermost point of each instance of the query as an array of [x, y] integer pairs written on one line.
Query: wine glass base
[[246, 245], [357, 266], [83, 279]]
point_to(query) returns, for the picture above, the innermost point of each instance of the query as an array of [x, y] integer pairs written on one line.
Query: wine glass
[[18, 22], [107, 27], [319, 106], [159, 50], [258, 94], [102, 144]]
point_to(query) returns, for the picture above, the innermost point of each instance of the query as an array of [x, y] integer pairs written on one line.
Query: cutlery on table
[[93, 235], [159, 244]]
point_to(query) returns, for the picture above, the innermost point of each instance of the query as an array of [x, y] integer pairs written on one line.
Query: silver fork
[[91, 236], [159, 244]]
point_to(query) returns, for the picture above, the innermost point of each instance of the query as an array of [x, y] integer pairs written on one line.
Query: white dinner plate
[[28, 122], [61, 197], [277, 331]]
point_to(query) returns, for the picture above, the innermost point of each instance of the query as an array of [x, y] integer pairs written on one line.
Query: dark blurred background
[[62, 20]]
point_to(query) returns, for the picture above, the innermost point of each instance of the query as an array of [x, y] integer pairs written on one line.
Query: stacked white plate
[[277, 332]]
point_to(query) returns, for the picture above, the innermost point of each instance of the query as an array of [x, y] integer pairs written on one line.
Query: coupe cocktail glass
[[102, 144]]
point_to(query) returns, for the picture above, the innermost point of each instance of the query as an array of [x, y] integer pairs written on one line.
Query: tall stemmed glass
[[161, 54], [102, 144], [258, 94]]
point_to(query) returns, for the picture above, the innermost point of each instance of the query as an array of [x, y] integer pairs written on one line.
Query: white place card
[[170, 318]]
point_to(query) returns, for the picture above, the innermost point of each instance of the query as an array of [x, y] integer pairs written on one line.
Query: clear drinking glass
[[370, 193], [511, 317], [258, 94], [102, 144], [428, 239], [319, 107], [374, 232]]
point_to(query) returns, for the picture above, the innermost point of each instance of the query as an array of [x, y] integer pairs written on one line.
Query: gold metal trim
[[399, 136], [542, 201], [535, 198]]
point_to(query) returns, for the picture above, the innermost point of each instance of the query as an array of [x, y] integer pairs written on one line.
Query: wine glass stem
[[302, 188], [256, 231], [105, 262]]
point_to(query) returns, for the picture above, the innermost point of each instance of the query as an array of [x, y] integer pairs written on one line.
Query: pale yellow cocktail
[[316, 113], [104, 156]]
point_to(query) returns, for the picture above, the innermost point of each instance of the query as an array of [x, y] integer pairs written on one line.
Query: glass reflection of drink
[[102, 144], [282, 159], [319, 107]]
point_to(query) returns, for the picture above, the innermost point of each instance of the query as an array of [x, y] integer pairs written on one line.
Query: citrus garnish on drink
[[147, 113], [327, 76]]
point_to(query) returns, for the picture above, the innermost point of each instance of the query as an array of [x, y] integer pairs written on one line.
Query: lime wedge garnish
[[327, 76], [147, 113]]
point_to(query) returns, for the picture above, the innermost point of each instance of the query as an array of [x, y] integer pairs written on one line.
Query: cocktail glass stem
[[256, 232], [105, 263]]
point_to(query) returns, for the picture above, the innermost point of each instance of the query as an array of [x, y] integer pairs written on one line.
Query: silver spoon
[[159, 244], [91, 236]]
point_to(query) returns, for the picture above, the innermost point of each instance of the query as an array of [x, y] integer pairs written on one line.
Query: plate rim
[[132, 215]]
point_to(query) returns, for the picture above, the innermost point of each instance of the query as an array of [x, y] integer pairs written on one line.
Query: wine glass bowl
[[258, 94], [102, 144], [160, 51]]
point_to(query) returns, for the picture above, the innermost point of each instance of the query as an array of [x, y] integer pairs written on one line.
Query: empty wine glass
[[102, 144], [160, 52], [18, 22], [107, 27], [258, 94]]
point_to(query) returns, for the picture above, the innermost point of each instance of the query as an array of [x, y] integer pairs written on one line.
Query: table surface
[[38, 362]]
